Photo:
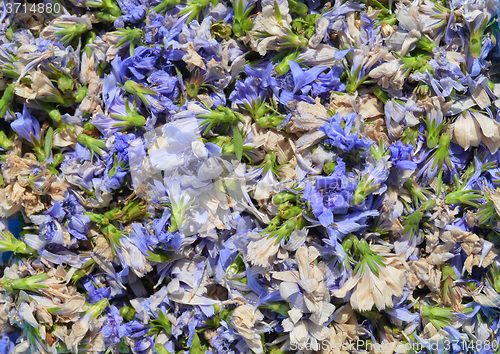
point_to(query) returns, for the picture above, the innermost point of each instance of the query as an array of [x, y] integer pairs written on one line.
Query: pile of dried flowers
[[243, 176]]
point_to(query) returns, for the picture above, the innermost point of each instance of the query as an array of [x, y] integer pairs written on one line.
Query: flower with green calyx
[[287, 211], [165, 5], [135, 210], [237, 266], [367, 257], [489, 212], [227, 145], [378, 151], [127, 312], [226, 117], [422, 89], [65, 83], [93, 144], [442, 154], [43, 148], [195, 7], [410, 136], [269, 163], [8, 243], [494, 277], [477, 29], [284, 65], [221, 29], [132, 120], [71, 32], [97, 308], [52, 110], [369, 183], [411, 223], [462, 196], [139, 90], [5, 142], [283, 197], [440, 317], [110, 11], [109, 230], [418, 63], [9, 71], [80, 94], [433, 128], [451, 294], [162, 323], [196, 81], [132, 36], [425, 44], [178, 217], [87, 269], [286, 229], [273, 225], [269, 122], [220, 116], [418, 194], [33, 283], [258, 110], [90, 39], [241, 21], [353, 83], [6, 100], [304, 26]]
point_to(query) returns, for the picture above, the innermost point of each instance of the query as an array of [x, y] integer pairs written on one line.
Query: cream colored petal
[[348, 285], [302, 257], [493, 145], [467, 131], [319, 332], [295, 315], [489, 127], [289, 276], [362, 297], [309, 285], [288, 289], [26, 314], [382, 295], [299, 333]]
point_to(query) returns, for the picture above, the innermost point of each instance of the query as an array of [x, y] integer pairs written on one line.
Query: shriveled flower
[[471, 128], [369, 288]]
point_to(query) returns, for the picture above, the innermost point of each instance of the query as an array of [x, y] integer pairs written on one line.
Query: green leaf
[[196, 347], [48, 142], [160, 349], [277, 13], [237, 141]]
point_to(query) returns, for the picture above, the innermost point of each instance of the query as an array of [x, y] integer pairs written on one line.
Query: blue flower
[[133, 11], [26, 126], [401, 156], [248, 92], [327, 82], [140, 65], [341, 133], [300, 87]]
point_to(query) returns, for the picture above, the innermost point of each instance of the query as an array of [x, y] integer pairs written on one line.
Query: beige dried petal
[[489, 127], [466, 131]]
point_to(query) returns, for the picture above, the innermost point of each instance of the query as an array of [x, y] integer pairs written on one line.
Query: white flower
[[306, 292], [248, 322], [471, 128], [370, 289]]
